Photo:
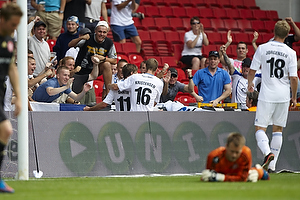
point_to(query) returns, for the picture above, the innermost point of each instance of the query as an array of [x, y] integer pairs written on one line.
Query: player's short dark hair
[[253, 96], [10, 9], [129, 69], [143, 62], [151, 64], [122, 60], [236, 138]]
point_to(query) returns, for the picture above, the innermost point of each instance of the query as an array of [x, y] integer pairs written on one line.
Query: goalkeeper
[[232, 163]]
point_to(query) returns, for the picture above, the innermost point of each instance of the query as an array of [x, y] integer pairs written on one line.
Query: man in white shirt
[[122, 24], [145, 89], [278, 64], [39, 47]]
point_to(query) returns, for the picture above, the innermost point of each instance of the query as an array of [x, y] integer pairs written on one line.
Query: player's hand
[[252, 176], [212, 176], [167, 77], [289, 20], [85, 37], [251, 87]]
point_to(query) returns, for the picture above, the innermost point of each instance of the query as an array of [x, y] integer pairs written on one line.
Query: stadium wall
[[71, 144]]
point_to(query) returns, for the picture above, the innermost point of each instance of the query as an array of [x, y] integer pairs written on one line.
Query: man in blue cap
[[211, 81]]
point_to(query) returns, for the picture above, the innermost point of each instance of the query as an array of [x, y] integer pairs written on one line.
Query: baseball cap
[[173, 71], [84, 31], [247, 62], [102, 23], [214, 53], [73, 19], [39, 23]]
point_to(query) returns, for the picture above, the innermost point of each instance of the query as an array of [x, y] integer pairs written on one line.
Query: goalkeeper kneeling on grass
[[233, 163]]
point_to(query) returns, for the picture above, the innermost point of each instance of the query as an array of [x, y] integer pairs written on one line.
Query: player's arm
[[229, 41], [251, 76], [14, 80], [294, 85], [96, 107], [78, 97], [209, 174], [104, 11]]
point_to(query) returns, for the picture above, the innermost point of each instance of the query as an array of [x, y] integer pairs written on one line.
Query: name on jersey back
[[145, 83]]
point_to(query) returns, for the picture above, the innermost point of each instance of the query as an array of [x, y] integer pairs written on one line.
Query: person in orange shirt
[[232, 163], [251, 100]]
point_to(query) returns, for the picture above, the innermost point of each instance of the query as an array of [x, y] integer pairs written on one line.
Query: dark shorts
[[79, 81], [123, 32], [188, 59]]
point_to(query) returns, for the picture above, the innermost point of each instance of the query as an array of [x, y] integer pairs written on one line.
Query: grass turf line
[[281, 186]]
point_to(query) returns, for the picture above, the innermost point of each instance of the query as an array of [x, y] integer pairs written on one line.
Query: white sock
[[262, 142], [275, 145]]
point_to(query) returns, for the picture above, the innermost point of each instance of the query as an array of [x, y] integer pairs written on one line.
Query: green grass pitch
[[281, 186]]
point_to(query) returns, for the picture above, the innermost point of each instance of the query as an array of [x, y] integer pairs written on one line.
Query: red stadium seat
[[151, 11], [250, 4], [173, 37], [232, 25], [245, 25], [157, 36], [213, 4], [149, 48], [177, 23], [247, 14], [51, 44], [269, 25], [241, 37], [181, 75], [98, 86], [273, 15], [129, 47], [234, 14], [219, 25], [165, 11], [192, 11], [135, 59], [164, 48], [170, 60], [221, 13], [261, 14], [259, 26], [179, 12], [186, 100], [216, 38], [207, 13], [163, 23], [122, 56], [144, 35]]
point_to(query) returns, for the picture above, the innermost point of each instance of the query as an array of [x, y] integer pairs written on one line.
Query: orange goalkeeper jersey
[[233, 171]]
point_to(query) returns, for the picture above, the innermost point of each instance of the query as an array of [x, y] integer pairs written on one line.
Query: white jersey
[[197, 49], [240, 87], [121, 17], [121, 99], [145, 89], [278, 62]]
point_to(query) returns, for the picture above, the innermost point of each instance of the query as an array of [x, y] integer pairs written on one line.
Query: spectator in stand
[[34, 83], [251, 100], [73, 51], [239, 80], [75, 8], [39, 47], [211, 81], [69, 62], [122, 24], [241, 51], [53, 88], [93, 12], [121, 98], [114, 69], [193, 42], [143, 67], [52, 14], [232, 163], [94, 44], [172, 87], [61, 46]]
